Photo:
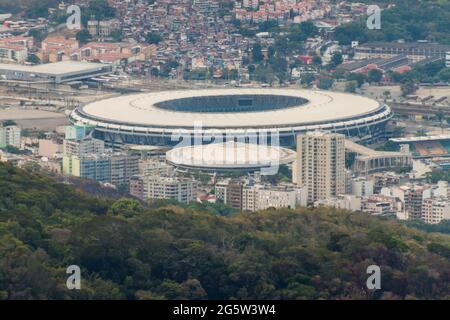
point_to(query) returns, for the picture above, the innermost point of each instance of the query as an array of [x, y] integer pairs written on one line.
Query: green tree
[[153, 38], [407, 88], [307, 79], [257, 53], [350, 86], [336, 59], [83, 36], [374, 76], [126, 207], [325, 83]]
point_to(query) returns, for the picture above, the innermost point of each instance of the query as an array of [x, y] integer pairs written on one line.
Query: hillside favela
[[226, 150]]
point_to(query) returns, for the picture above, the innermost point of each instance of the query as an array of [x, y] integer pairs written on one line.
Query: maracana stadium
[[155, 118]]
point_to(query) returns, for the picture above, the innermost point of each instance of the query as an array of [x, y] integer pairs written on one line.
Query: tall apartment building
[[413, 199], [10, 135], [154, 187], [320, 165], [230, 193], [434, 210], [260, 197]]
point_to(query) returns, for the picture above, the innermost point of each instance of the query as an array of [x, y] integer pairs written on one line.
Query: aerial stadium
[[161, 118]]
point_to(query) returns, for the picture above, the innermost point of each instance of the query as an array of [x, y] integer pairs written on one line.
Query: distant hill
[[170, 252]]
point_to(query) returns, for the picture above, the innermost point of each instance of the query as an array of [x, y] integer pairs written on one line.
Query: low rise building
[[261, 197], [345, 201], [152, 188], [434, 210]]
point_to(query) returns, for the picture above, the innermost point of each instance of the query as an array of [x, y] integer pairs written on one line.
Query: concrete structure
[[381, 205], [49, 148], [154, 167], [343, 201], [58, 72], [115, 168], [384, 179], [75, 132], [362, 187], [368, 160], [413, 50], [412, 195], [163, 118], [434, 210], [320, 165], [230, 156], [261, 197], [13, 53], [102, 29], [10, 135], [230, 192], [153, 188], [83, 147]]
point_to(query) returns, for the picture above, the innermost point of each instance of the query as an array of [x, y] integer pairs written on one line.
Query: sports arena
[[161, 118]]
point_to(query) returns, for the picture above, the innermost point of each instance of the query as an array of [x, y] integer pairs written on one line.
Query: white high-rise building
[[321, 164]]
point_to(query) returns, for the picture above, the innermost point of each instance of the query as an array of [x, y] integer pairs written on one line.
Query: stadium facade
[[161, 118]]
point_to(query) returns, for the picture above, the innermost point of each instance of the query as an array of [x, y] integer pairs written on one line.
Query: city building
[[415, 51], [82, 147], [320, 165], [152, 188], [384, 179], [412, 196], [49, 148], [261, 197], [343, 201], [110, 167], [13, 53], [102, 29], [230, 192], [58, 72], [154, 167], [434, 210], [381, 205], [362, 187], [10, 135]]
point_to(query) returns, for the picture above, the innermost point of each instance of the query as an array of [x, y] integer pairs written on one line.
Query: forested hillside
[[410, 20], [170, 252]]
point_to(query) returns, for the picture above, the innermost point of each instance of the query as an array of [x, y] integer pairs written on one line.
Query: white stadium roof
[[56, 68], [230, 155], [141, 110]]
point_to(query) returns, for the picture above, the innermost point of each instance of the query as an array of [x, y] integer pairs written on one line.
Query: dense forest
[[410, 20], [163, 251]]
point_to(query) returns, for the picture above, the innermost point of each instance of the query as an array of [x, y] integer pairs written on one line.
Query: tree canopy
[[166, 251]]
